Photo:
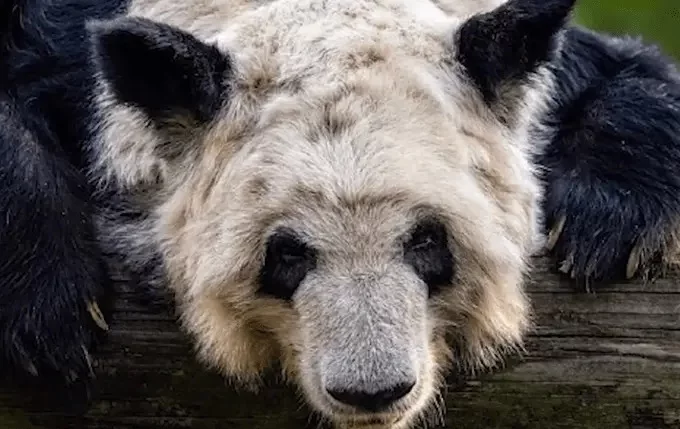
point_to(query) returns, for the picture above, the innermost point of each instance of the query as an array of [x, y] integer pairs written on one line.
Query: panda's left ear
[[500, 49], [167, 73]]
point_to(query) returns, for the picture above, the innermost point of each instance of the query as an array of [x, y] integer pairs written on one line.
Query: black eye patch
[[287, 261], [427, 251]]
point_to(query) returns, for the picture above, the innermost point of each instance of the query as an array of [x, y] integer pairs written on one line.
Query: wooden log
[[595, 361]]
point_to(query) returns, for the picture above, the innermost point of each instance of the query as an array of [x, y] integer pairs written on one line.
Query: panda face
[[350, 262], [345, 190]]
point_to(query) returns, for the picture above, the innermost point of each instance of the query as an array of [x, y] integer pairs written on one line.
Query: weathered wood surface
[[595, 361]]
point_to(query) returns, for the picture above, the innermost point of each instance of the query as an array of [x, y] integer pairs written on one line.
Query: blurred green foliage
[[656, 21]]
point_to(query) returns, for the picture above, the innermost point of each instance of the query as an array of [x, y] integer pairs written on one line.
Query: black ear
[[504, 46], [166, 72]]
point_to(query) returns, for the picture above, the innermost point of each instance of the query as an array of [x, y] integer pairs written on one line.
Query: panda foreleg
[[612, 170], [52, 277]]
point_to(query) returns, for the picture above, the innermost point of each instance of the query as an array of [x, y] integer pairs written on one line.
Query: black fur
[[162, 70], [51, 267], [427, 251], [287, 261], [502, 48], [611, 166]]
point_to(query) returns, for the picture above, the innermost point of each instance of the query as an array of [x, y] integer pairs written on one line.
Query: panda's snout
[[364, 343], [372, 382]]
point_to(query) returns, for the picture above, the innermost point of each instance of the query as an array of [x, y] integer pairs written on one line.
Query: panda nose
[[372, 401]]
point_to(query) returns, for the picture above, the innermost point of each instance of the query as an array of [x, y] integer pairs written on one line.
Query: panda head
[[346, 190]]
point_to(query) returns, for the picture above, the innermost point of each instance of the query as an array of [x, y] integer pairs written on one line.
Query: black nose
[[372, 401]]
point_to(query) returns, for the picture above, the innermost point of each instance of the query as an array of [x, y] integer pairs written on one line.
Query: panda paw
[[611, 200], [595, 243], [50, 327]]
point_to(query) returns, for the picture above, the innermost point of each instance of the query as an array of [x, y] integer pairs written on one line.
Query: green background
[[656, 21]]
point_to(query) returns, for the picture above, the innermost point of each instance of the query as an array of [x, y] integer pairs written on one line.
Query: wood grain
[[595, 361]]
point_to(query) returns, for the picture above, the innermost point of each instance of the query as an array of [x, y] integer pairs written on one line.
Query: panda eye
[[287, 261], [422, 242], [427, 251], [292, 251], [426, 235]]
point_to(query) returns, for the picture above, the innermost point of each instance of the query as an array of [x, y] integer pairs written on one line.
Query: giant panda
[[352, 189]]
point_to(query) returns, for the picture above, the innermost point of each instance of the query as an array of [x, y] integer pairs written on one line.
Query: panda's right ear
[[167, 73]]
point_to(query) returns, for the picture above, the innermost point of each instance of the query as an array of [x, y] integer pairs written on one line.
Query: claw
[[634, 261], [97, 316], [567, 264], [71, 376], [555, 232], [586, 285], [28, 365], [88, 359]]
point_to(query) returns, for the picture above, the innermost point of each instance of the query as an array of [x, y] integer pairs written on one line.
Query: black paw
[[612, 167], [595, 245], [51, 322], [53, 279], [49, 333], [612, 206]]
